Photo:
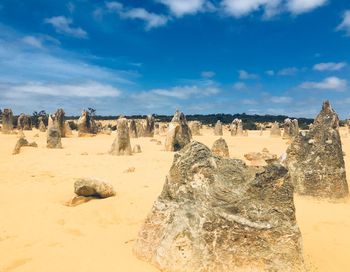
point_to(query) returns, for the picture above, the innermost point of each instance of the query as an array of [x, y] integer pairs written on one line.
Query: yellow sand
[[38, 232]]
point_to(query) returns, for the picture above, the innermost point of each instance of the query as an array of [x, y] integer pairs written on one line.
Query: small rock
[[93, 187]]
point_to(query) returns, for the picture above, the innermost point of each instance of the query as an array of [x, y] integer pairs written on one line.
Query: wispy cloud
[[243, 74], [302, 6], [184, 7], [329, 83], [345, 24], [239, 86], [185, 92], [329, 66], [290, 71], [152, 20], [280, 99], [63, 25], [208, 74]]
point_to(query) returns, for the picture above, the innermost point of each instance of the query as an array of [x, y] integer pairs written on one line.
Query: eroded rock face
[[133, 129], [179, 134], [216, 214], [22, 142], [140, 128], [90, 187], [237, 127], [121, 145], [42, 126], [220, 148], [86, 124], [290, 128], [24, 122], [53, 138], [7, 121], [275, 130], [67, 129], [315, 158], [149, 126], [57, 120], [195, 128], [218, 129]]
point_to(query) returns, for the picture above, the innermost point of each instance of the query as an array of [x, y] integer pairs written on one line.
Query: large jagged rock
[[220, 148], [53, 138], [179, 134], [42, 126], [24, 122], [86, 124], [218, 129], [275, 130], [237, 127], [315, 158], [216, 214], [290, 128], [7, 121], [133, 129], [57, 120], [22, 142], [149, 126], [121, 145], [196, 128], [90, 187]]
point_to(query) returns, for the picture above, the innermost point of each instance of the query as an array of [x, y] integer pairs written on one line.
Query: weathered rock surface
[[290, 128], [24, 122], [42, 126], [149, 126], [216, 214], [67, 129], [86, 124], [133, 129], [57, 120], [121, 145], [218, 129], [262, 158], [22, 142], [220, 148], [7, 121], [136, 149], [90, 187], [237, 127], [53, 138], [196, 128], [275, 130], [179, 134], [315, 158]]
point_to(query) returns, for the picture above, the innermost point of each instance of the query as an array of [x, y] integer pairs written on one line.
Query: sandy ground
[[38, 232]]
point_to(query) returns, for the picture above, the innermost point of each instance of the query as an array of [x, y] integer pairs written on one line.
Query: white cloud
[[32, 41], [62, 25], [240, 86], [114, 6], [183, 7], [345, 24], [249, 102], [270, 8], [270, 72], [208, 74], [86, 89], [329, 83], [245, 75], [329, 66], [185, 92], [290, 71], [152, 20], [281, 99]]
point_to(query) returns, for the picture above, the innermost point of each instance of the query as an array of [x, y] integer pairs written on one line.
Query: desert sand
[[39, 232]]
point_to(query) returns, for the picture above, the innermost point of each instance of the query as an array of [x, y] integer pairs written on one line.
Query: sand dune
[[38, 232]]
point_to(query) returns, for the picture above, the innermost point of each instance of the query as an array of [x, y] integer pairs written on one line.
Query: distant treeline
[[249, 121]]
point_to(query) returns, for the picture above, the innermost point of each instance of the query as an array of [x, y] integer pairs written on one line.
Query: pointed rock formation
[[24, 122], [217, 214], [149, 126], [196, 128], [218, 129], [121, 145], [179, 134], [133, 129], [53, 138], [42, 126], [57, 120], [315, 158], [275, 130], [7, 121], [290, 128], [237, 127], [86, 124], [220, 148]]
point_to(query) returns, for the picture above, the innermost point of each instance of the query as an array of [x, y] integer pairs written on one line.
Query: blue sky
[[154, 56]]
